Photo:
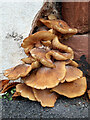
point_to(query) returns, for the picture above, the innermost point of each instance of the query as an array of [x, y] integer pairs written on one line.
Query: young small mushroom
[[52, 17], [25, 91], [45, 97], [59, 25], [45, 77], [72, 89], [20, 70]]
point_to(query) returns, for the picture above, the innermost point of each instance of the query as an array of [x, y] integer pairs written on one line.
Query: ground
[[64, 108]]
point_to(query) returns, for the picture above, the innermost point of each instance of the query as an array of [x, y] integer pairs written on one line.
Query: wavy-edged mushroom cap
[[46, 77], [47, 43], [28, 60], [75, 75], [34, 39], [58, 55], [72, 63], [20, 70], [45, 97], [72, 89], [72, 73], [27, 50], [39, 54], [38, 36], [25, 91], [59, 46], [59, 25]]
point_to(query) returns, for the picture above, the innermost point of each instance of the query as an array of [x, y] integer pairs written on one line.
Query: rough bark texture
[[79, 43], [76, 15], [47, 9]]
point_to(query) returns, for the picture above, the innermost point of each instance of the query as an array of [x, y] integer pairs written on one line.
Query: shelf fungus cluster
[[49, 69]]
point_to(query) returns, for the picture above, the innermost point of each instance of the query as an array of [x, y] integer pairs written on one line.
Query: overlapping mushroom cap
[[25, 91], [49, 65], [45, 97], [72, 73], [39, 54], [72, 89], [59, 25], [35, 38], [45, 77], [28, 60], [20, 70], [68, 51], [36, 95], [72, 63]]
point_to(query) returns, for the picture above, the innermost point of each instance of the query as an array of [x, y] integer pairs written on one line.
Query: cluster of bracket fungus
[[49, 69]]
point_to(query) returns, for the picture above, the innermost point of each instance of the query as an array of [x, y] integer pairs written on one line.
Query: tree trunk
[[76, 15]]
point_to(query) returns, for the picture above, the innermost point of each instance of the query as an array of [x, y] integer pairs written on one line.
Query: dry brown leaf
[[3, 82], [9, 86]]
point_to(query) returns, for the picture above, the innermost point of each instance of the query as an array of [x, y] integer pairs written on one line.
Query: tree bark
[[76, 15]]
